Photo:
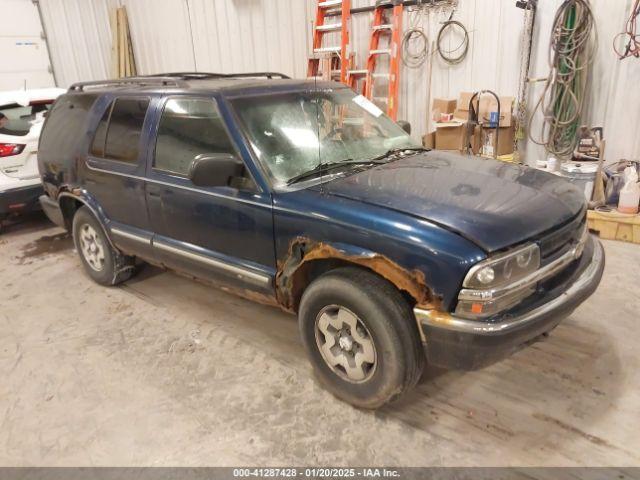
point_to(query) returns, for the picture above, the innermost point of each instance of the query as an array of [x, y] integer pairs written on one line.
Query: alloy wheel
[[345, 343], [91, 247]]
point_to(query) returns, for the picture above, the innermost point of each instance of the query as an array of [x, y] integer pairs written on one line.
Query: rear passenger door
[[222, 233], [115, 175]]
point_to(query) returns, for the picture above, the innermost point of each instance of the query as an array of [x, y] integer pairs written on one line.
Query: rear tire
[[361, 337], [103, 263]]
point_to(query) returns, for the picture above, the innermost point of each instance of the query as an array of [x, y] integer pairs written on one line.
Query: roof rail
[[170, 79], [208, 75], [140, 81], [269, 75]]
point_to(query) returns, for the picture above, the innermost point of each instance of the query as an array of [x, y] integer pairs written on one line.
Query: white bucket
[[582, 175]]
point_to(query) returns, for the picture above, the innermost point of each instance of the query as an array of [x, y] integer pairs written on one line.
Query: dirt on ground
[[166, 371]]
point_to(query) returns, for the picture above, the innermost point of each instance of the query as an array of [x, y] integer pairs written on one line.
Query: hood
[[492, 203]]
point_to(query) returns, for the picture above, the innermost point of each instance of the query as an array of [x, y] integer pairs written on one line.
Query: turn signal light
[[9, 149], [476, 308]]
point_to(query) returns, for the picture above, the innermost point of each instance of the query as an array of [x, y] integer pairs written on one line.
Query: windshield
[[295, 132], [17, 120]]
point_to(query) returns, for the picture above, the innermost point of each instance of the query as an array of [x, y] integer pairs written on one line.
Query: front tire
[[103, 263], [360, 336]]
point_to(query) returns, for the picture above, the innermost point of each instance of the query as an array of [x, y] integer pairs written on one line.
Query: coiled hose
[[571, 52]]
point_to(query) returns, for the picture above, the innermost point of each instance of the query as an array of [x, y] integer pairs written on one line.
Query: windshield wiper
[[326, 167], [396, 151]]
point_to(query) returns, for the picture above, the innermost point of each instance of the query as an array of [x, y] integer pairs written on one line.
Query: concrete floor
[[166, 371]]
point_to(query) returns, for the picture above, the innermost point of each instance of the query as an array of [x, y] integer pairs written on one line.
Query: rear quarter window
[[65, 127]]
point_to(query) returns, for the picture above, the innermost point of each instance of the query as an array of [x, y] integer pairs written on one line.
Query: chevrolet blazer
[[305, 195]]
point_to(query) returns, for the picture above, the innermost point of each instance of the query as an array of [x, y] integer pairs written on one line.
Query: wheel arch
[[306, 260], [71, 202]]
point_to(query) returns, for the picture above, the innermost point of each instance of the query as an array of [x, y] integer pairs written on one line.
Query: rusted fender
[[290, 277]]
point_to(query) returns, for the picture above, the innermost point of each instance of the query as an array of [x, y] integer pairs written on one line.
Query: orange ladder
[[392, 28], [340, 53]]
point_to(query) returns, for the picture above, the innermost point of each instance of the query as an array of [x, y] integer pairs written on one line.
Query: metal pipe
[[405, 3]]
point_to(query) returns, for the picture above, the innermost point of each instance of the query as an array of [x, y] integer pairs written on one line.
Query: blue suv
[[306, 196]]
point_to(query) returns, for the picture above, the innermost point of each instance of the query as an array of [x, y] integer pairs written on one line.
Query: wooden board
[[615, 226]]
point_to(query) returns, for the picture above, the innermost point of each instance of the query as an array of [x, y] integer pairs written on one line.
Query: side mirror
[[215, 169], [406, 126]]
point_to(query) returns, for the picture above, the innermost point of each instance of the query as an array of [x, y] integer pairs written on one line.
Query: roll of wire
[[571, 52], [414, 57], [415, 43], [463, 48]]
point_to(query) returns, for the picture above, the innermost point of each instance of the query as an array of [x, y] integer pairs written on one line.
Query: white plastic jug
[[630, 193]]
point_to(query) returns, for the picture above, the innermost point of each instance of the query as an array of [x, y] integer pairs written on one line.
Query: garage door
[[25, 59]]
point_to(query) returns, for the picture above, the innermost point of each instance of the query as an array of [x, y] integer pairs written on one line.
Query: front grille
[[562, 240]]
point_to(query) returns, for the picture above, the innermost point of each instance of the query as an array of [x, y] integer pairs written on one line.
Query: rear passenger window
[[189, 127], [124, 129]]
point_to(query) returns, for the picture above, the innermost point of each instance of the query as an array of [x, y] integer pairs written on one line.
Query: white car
[[22, 114]]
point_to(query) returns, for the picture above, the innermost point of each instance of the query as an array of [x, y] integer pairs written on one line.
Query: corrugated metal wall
[[80, 38], [250, 35]]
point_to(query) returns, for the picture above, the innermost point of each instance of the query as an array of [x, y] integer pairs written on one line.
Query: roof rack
[[208, 75], [140, 81], [176, 79]]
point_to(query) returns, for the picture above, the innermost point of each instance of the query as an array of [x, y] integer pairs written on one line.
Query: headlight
[[495, 284], [504, 269]]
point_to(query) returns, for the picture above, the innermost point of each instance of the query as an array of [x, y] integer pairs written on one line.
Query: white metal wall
[[251, 35], [80, 38]]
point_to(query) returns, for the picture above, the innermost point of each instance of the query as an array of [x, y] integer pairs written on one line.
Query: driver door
[[220, 233]]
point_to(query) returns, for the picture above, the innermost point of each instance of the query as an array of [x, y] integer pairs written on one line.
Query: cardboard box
[[487, 105], [450, 135], [486, 143], [429, 140], [463, 101], [476, 140], [442, 106], [462, 115]]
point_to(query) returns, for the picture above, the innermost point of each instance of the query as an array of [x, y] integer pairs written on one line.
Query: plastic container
[[582, 175], [615, 179], [630, 192], [552, 164]]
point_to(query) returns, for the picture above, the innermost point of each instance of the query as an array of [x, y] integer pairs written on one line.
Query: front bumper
[[20, 200], [459, 343]]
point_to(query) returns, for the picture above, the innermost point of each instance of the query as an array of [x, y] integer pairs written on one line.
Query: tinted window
[[125, 128], [97, 147], [189, 127], [65, 127]]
